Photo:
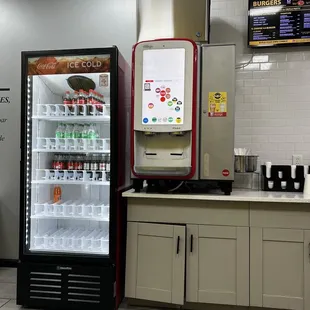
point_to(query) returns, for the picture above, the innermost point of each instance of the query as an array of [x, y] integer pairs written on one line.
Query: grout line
[[5, 303]]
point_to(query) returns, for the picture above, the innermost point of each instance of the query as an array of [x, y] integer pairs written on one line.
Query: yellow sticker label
[[217, 106]]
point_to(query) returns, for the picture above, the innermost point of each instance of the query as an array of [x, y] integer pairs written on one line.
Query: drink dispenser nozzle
[[149, 133], [177, 133]]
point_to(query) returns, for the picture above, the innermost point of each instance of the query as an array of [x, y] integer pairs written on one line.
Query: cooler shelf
[[52, 176], [56, 111], [74, 119], [73, 145], [79, 209], [72, 240], [72, 151]]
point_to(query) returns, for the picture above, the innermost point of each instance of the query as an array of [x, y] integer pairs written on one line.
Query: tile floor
[[8, 291], [7, 288]]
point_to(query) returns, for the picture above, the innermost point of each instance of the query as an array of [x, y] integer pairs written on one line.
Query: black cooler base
[[48, 286]]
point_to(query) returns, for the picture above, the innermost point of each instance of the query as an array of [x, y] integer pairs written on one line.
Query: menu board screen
[[277, 22], [163, 86]]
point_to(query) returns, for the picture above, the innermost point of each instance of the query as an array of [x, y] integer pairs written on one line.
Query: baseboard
[[10, 263]]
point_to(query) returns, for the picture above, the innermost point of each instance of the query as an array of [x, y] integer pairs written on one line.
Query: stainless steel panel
[[217, 133], [173, 19]]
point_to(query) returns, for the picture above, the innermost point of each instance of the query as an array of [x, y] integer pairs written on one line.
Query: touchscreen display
[[276, 22], [163, 86]]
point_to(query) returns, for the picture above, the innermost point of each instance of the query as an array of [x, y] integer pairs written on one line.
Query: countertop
[[236, 195]]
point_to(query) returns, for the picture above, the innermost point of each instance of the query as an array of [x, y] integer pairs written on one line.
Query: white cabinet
[[280, 268], [217, 259], [217, 265], [155, 262]]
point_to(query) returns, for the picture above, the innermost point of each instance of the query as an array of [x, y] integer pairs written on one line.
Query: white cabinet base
[[155, 262], [279, 268], [218, 265]]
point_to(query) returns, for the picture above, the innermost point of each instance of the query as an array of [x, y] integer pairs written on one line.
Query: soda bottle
[[59, 164], [86, 162], [70, 163], [67, 101], [85, 131], [75, 97], [101, 102], [108, 167], [75, 102], [94, 163], [55, 163], [78, 162], [57, 193], [68, 131], [90, 102], [76, 131], [92, 132], [102, 164], [81, 101], [60, 131]]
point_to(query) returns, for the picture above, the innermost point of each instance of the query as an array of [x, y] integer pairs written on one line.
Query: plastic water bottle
[[92, 132], [69, 131], [85, 131], [76, 131], [60, 131]]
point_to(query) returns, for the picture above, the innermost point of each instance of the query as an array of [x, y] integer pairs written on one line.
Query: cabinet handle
[[178, 245], [192, 237], [309, 248]]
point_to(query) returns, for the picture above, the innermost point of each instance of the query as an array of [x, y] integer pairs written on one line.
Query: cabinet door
[[155, 262], [279, 268], [218, 265]]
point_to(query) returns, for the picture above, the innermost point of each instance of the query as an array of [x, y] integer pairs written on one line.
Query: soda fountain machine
[[183, 99]]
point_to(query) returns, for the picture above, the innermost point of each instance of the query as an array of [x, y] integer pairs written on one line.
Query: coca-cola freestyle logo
[[4, 97]]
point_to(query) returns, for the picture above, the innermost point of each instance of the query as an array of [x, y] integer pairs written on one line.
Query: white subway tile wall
[[272, 91]]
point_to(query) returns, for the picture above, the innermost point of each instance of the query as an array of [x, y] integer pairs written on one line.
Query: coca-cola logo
[[47, 66]]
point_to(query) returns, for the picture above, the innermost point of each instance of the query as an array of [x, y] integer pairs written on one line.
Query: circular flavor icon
[[168, 96], [168, 90], [177, 109], [179, 102], [163, 93], [151, 105], [154, 119], [175, 99], [162, 99], [170, 119], [170, 103], [145, 120], [179, 120], [157, 90], [225, 173], [301, 2]]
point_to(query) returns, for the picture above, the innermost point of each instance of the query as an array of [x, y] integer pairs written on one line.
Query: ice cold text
[[4, 100], [84, 64]]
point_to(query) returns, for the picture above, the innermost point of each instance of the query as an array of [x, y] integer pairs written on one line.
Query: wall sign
[[4, 99], [217, 105], [4, 96], [69, 64]]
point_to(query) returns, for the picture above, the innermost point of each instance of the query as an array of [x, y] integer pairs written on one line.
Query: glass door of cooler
[[68, 155]]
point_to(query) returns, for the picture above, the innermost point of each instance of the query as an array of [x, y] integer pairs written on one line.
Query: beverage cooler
[[75, 113]]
